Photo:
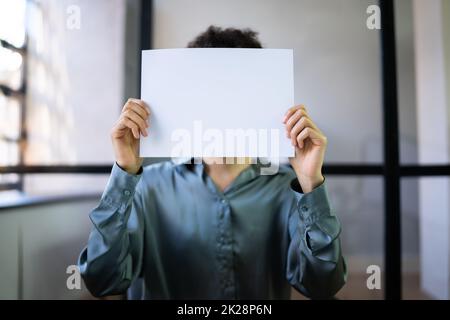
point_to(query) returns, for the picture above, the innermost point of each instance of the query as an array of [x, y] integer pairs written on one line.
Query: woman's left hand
[[310, 145]]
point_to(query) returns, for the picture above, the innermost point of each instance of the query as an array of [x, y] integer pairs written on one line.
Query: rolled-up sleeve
[[315, 265], [113, 256]]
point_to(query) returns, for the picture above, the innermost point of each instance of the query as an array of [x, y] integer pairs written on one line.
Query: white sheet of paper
[[216, 102]]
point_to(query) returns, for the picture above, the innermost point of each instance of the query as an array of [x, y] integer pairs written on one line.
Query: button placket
[[225, 250]]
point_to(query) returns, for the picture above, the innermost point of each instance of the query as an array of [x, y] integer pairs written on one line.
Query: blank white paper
[[216, 102]]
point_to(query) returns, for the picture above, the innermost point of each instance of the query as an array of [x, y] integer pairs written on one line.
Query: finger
[[292, 110], [315, 136], [131, 125], [293, 119], [133, 116], [131, 102], [141, 112], [141, 103], [295, 108], [298, 127]]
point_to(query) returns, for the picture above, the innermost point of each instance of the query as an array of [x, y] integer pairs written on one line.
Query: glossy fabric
[[172, 227]]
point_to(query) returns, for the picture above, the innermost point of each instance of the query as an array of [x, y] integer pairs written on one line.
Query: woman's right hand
[[125, 135]]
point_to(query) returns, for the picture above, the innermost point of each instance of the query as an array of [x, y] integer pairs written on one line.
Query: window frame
[[18, 94]]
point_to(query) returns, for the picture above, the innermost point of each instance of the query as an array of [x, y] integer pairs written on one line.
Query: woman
[[212, 230]]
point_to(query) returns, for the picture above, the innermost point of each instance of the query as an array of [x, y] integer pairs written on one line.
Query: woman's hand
[[310, 145], [133, 122]]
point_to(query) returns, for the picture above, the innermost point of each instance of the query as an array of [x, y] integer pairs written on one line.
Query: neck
[[223, 171], [227, 164]]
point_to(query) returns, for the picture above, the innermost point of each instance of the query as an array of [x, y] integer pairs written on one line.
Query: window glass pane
[[9, 178], [75, 79], [422, 57], [406, 81], [10, 118], [359, 204], [12, 21], [63, 184], [425, 244], [9, 153], [337, 59], [10, 68]]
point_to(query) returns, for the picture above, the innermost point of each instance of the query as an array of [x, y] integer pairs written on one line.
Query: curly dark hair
[[216, 37]]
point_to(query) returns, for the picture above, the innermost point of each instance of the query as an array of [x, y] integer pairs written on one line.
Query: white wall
[[37, 244]]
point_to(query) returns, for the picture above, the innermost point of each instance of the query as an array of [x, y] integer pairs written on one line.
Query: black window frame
[[390, 170], [18, 94]]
